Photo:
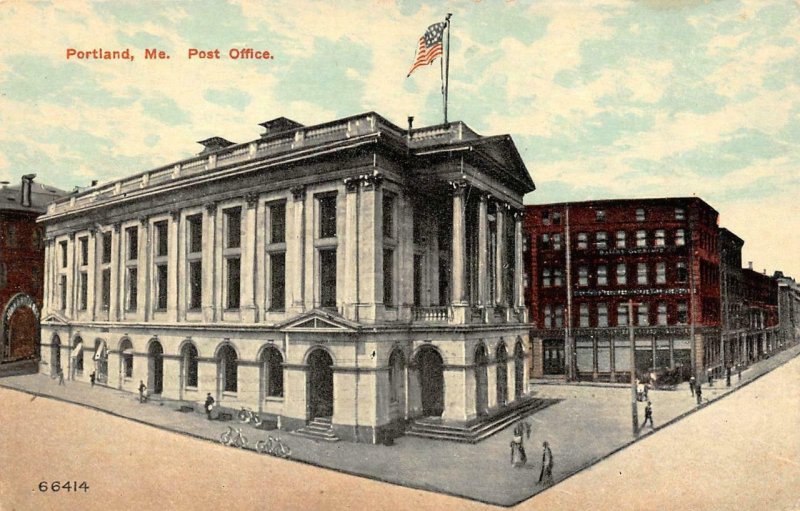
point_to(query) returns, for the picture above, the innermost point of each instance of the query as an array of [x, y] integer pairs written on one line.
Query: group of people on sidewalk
[[522, 430]]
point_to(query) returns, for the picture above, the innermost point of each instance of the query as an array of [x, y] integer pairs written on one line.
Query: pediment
[[318, 321], [55, 318]]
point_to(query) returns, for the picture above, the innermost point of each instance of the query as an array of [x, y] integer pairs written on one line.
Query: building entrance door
[[22, 338], [519, 371], [431, 382], [155, 366], [481, 381], [320, 384], [554, 356], [55, 355]]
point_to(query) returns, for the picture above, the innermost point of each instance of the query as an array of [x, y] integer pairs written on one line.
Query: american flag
[[430, 46]]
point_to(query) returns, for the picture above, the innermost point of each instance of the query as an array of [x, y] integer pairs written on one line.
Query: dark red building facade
[[22, 266], [589, 259]]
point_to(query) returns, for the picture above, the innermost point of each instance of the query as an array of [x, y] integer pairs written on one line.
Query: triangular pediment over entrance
[[318, 320], [55, 318]]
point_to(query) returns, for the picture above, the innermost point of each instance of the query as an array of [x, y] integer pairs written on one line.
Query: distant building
[[345, 279], [22, 266]]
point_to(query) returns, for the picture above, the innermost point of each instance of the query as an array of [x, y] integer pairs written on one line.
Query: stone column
[[455, 398], [144, 301], [500, 258], [370, 247], [46, 274], [172, 268], [295, 264], [459, 254], [483, 256], [491, 384], [91, 296], [249, 311], [209, 263], [351, 235], [71, 265], [113, 305], [519, 288]]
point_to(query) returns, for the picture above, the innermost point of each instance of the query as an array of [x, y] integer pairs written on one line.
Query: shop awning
[[76, 351], [100, 354]]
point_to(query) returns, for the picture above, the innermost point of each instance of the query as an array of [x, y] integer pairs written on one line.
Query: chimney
[[94, 182], [25, 190], [410, 125], [749, 265]]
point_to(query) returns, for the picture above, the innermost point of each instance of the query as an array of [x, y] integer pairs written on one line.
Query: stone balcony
[[445, 315]]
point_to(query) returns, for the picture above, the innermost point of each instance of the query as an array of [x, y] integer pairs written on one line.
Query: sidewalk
[[588, 424]]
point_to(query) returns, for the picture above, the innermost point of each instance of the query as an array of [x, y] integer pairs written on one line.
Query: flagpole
[[447, 66]]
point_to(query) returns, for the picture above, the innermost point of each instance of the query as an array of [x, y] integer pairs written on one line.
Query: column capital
[[371, 181], [72, 236], [92, 230], [211, 208], [518, 214], [459, 186], [251, 199], [115, 227], [175, 214], [351, 184], [486, 197], [298, 192], [143, 220]]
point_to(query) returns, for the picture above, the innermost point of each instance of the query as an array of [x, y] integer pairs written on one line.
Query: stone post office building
[[352, 272]]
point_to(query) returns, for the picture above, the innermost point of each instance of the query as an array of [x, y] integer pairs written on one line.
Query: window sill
[[274, 399], [227, 393], [190, 389]]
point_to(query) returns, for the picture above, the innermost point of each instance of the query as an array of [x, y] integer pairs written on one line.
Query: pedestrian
[[710, 379], [61, 377], [740, 372], [691, 384], [546, 475], [142, 388], [518, 456], [648, 414], [699, 394], [92, 378], [209, 405]]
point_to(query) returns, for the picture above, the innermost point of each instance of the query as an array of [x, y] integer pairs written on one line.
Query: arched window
[[272, 364], [126, 353], [189, 356], [78, 354], [396, 381], [228, 369]]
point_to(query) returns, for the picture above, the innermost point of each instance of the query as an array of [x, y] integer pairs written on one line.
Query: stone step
[[312, 436]]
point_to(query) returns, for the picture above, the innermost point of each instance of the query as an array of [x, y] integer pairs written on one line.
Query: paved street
[[589, 423]]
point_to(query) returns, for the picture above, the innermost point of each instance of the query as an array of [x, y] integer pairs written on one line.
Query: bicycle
[[248, 415], [274, 447], [233, 437]]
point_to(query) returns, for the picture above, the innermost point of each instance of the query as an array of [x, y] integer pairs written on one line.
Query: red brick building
[[588, 259], [22, 266]]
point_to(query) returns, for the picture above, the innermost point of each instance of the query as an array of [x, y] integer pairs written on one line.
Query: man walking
[[61, 377], [92, 378], [209, 405], [699, 394], [648, 414], [518, 456], [546, 475], [691, 385], [728, 376], [142, 388]]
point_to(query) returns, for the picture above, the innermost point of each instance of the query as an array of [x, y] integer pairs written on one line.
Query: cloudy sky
[[604, 98]]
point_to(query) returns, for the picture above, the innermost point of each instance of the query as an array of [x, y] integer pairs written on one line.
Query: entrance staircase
[[318, 429], [475, 430]]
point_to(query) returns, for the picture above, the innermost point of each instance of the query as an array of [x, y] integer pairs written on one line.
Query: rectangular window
[[132, 234], [63, 246], [559, 316], [583, 240], [106, 255], [683, 313], [162, 237], [620, 239], [681, 273], [622, 314], [641, 238], [556, 242], [643, 314], [659, 239], [545, 218], [418, 279], [545, 241], [233, 227], [195, 227], [661, 273], [546, 282], [388, 277], [63, 287], [161, 287], [548, 316], [84, 251], [84, 290], [622, 274], [557, 277], [640, 215], [105, 289], [602, 315], [680, 214], [277, 223], [583, 275], [232, 278], [556, 218], [641, 274], [388, 215], [600, 215], [133, 288], [602, 275], [680, 238], [662, 313], [601, 239], [327, 216], [327, 278], [195, 285], [584, 315], [277, 262]]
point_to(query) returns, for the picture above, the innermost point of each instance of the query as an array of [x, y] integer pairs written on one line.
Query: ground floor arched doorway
[[431, 381], [320, 384], [22, 334], [481, 381], [502, 375], [155, 367], [55, 355], [519, 370], [101, 361]]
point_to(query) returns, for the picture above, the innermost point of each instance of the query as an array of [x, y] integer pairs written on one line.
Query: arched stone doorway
[[501, 358], [397, 381], [77, 356], [125, 361], [55, 355], [431, 381], [320, 384], [227, 369], [271, 362], [20, 328], [188, 367], [481, 381], [155, 367], [519, 370], [101, 361]]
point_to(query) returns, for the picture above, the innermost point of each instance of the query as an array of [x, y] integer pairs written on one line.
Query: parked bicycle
[[248, 415], [274, 447], [233, 437]]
